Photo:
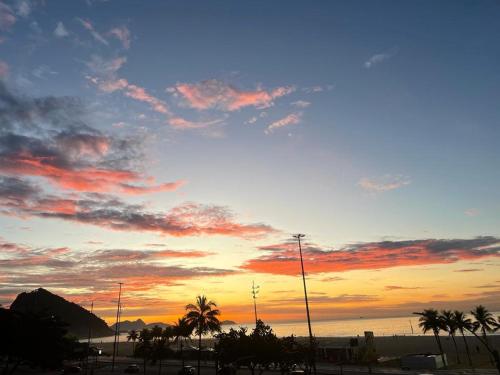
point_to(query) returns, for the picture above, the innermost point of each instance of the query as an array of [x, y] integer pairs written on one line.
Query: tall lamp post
[[255, 291], [117, 328], [311, 339]]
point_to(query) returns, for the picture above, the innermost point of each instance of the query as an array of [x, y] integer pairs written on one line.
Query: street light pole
[[255, 291], [311, 339], [116, 327]]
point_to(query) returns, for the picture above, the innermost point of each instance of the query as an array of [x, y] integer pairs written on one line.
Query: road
[[172, 367]]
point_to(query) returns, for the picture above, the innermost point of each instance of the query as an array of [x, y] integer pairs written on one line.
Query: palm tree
[[449, 325], [429, 321], [160, 350], [133, 336], [462, 323], [202, 317], [144, 348], [181, 331], [486, 323], [156, 332], [484, 320]]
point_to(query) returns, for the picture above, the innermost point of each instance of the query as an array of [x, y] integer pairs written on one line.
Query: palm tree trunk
[[496, 356], [467, 349], [438, 340], [182, 356], [456, 347], [199, 353]]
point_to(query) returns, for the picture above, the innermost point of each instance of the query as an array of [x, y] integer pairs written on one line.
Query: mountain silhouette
[[77, 318], [129, 325]]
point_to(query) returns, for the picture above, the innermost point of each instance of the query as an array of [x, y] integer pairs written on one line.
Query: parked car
[[132, 369], [187, 370], [72, 370], [227, 370]]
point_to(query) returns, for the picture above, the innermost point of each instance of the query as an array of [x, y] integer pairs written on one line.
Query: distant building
[[357, 350]]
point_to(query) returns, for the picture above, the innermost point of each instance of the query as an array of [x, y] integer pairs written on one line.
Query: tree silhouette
[[133, 336], [429, 321], [484, 320], [450, 326], [144, 347], [35, 339], [463, 324], [202, 317], [181, 331]]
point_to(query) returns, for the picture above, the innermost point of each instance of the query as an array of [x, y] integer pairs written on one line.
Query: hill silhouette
[[129, 325], [77, 318]]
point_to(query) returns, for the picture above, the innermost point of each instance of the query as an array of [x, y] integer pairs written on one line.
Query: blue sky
[[352, 122]]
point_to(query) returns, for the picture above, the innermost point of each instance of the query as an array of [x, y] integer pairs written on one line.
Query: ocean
[[331, 328]]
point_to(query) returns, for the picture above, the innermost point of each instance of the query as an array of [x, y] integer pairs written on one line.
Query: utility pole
[[89, 337], [255, 291], [117, 323], [311, 339]]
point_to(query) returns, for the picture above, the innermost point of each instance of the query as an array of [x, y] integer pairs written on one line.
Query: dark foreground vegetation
[[35, 340]]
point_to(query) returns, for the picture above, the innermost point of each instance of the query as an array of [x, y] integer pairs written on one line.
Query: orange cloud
[[282, 259], [18, 197], [132, 91], [219, 95]]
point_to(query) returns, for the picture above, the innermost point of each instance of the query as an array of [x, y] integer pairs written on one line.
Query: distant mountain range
[[77, 318], [129, 325]]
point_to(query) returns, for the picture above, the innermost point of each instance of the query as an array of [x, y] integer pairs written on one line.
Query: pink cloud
[[4, 69], [97, 36], [122, 33], [169, 186], [139, 93], [385, 183], [7, 17], [181, 123], [291, 119], [219, 95], [132, 91]]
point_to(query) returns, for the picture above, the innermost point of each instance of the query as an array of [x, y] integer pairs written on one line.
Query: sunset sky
[[176, 146]]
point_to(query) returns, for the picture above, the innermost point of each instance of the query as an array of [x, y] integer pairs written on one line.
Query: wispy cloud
[[96, 35], [469, 270], [4, 69], [291, 119], [385, 183], [122, 33], [301, 104], [60, 30], [398, 287], [379, 58], [214, 94], [181, 123], [7, 17], [472, 212]]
